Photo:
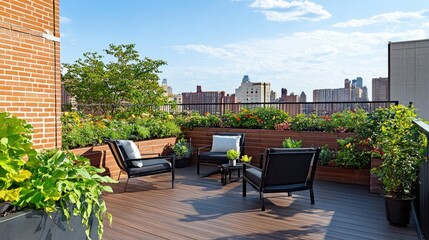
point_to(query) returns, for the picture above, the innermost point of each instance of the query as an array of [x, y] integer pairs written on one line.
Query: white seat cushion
[[132, 151], [225, 143]]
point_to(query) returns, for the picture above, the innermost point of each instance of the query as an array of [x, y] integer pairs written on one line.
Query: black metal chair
[[284, 170], [151, 165], [217, 158]]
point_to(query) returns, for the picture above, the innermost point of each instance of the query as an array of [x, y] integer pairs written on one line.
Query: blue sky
[[298, 45]]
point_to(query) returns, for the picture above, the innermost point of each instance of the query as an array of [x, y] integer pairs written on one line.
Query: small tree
[[105, 87]]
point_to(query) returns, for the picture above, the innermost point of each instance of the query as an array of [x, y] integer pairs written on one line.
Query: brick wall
[[30, 66]]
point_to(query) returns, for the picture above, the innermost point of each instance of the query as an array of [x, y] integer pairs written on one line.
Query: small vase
[[232, 162]]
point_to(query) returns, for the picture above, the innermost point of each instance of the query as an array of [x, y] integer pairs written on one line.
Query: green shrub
[[183, 149], [326, 155], [349, 157], [403, 146], [81, 131], [290, 143]]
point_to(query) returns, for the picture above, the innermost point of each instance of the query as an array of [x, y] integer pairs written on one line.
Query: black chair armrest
[[146, 154], [248, 165], [151, 158], [171, 158], [201, 148]]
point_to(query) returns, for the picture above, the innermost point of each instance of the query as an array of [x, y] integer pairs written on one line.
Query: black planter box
[[33, 224], [182, 162]]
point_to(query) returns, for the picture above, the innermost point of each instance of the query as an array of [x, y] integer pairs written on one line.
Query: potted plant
[[246, 159], [402, 146], [183, 151], [232, 156], [60, 193]]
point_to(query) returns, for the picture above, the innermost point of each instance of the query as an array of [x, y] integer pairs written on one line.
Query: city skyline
[[298, 45]]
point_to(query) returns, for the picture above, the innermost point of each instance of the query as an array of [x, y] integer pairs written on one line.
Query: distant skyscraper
[[253, 92], [350, 93], [168, 91], [246, 79], [303, 97], [273, 96], [380, 89], [358, 82]]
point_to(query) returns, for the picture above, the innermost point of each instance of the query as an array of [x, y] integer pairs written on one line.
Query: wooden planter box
[[375, 185], [33, 224], [257, 140], [343, 175], [101, 156]]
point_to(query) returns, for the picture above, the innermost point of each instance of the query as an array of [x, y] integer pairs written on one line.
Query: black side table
[[226, 170]]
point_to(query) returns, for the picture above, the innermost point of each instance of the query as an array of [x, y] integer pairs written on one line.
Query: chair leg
[[261, 196], [198, 167], [126, 184], [312, 196], [173, 176], [244, 187], [119, 176]]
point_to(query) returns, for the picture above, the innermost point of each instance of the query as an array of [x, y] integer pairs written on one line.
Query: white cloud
[[200, 48], [425, 25], [383, 18], [284, 11], [65, 20], [299, 61]]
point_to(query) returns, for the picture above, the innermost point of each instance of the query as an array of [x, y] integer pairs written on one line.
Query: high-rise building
[[350, 93], [197, 101], [168, 91], [273, 96], [409, 74], [358, 82], [380, 89], [303, 97], [253, 92], [289, 100]]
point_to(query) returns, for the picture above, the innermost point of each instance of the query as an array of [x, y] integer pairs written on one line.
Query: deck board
[[201, 208]]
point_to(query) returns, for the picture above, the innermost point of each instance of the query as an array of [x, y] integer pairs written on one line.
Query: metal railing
[[421, 204], [293, 108]]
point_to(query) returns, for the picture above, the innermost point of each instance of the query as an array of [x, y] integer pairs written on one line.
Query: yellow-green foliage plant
[[68, 183], [15, 145]]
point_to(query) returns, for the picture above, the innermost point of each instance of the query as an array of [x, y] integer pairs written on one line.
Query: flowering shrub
[[349, 157], [85, 130]]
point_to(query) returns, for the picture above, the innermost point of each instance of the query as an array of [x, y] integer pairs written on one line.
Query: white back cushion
[[132, 151], [225, 143]]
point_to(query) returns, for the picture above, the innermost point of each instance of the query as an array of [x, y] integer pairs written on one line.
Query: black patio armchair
[[222, 142], [139, 167], [284, 170]]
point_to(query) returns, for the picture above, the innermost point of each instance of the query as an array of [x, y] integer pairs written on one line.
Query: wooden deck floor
[[201, 208]]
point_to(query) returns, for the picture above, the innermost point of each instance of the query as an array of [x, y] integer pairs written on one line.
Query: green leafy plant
[[291, 143], [349, 157], [15, 145], [62, 181], [183, 149], [325, 155], [232, 154], [403, 147]]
